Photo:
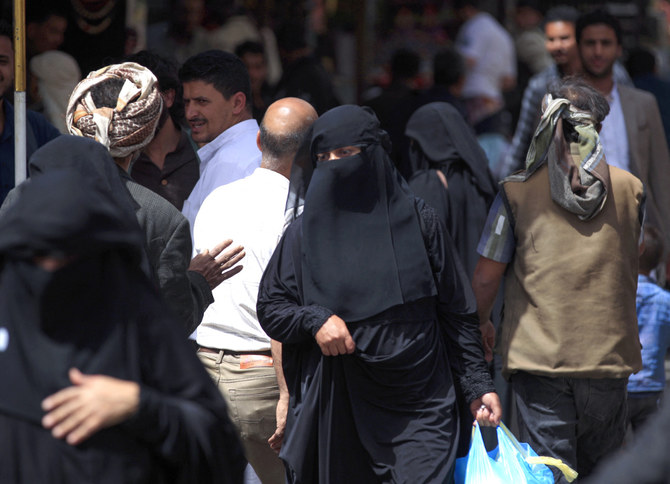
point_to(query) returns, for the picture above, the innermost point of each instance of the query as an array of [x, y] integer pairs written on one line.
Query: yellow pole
[[20, 148], [19, 45]]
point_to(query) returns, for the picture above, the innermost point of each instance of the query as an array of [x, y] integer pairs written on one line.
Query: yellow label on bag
[[568, 472]]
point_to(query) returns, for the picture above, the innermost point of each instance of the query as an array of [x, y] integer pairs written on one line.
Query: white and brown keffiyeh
[[130, 125]]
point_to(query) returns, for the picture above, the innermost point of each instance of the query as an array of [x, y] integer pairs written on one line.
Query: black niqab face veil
[[363, 251]]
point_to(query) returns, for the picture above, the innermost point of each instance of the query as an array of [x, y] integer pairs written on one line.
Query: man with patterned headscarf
[[120, 106], [568, 227]]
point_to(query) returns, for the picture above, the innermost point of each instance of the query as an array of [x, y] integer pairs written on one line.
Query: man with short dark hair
[[46, 22], [252, 54], [38, 129], [233, 347], [217, 100], [168, 165], [561, 43], [569, 227], [632, 136]]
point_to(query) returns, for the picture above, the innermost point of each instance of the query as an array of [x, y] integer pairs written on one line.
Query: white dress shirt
[[251, 212], [613, 134], [491, 47], [231, 156]]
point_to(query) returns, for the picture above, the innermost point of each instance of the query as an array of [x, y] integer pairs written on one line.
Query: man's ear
[[239, 102], [168, 97], [258, 141]]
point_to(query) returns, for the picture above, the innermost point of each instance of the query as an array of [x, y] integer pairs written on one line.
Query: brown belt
[[205, 349]]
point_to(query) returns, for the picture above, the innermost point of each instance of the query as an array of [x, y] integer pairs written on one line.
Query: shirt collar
[[208, 151], [271, 174]]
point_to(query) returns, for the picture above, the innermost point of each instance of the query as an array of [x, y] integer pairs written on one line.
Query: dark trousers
[[641, 406], [577, 420]]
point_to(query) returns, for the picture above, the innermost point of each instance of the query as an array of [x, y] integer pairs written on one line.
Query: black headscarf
[[52, 321], [363, 251], [88, 157], [443, 138], [302, 169], [94, 163], [443, 141]]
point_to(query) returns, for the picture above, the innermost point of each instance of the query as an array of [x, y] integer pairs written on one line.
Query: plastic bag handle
[[569, 473]]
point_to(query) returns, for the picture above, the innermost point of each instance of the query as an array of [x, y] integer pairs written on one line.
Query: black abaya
[[100, 314], [442, 140], [385, 413]]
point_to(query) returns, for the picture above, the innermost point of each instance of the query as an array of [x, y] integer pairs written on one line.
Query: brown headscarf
[[130, 125]]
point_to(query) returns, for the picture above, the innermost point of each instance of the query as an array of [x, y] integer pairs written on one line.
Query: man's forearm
[[277, 362], [485, 285]]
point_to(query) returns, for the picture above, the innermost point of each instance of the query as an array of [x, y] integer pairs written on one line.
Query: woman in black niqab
[[441, 141], [365, 250], [100, 314]]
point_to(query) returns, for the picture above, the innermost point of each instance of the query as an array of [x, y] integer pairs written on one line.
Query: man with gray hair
[[120, 106], [232, 345], [569, 227]]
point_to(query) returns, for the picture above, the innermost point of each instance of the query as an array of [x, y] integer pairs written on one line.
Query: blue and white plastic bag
[[509, 463]]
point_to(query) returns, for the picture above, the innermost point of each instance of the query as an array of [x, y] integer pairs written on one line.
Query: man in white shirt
[[632, 134], [217, 101], [490, 57], [232, 345]]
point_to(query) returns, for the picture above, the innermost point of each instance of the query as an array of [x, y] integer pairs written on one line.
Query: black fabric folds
[[41, 308], [442, 140], [362, 246], [89, 158], [445, 138], [385, 413], [100, 314]]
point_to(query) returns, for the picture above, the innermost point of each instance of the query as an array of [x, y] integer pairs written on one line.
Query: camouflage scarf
[[578, 171]]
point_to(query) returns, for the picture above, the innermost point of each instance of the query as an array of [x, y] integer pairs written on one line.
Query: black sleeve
[[186, 293], [182, 416], [456, 308], [202, 297], [280, 308]]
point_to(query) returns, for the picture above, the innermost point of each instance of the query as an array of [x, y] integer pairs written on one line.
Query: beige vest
[[570, 289]]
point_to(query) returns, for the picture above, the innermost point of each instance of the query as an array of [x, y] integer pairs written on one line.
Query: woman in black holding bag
[[376, 317]]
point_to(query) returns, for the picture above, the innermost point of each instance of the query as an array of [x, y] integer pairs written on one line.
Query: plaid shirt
[[531, 107], [653, 318]]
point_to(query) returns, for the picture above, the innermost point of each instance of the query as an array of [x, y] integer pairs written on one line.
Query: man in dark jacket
[[120, 106]]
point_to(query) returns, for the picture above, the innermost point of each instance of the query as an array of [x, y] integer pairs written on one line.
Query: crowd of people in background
[[222, 269]]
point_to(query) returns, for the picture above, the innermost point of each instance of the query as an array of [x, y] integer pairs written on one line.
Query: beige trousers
[[251, 395]]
